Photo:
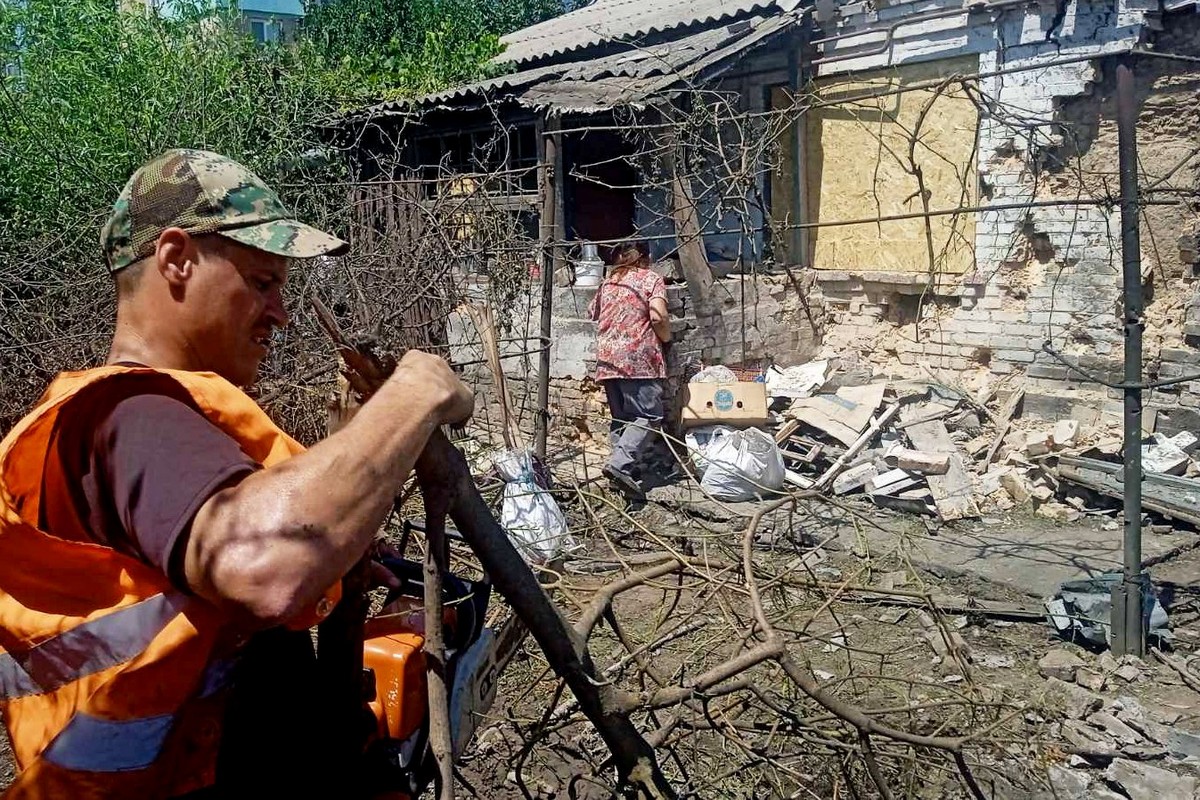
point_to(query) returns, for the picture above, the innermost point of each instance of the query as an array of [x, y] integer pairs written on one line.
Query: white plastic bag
[[698, 440], [715, 374], [741, 465], [529, 513]]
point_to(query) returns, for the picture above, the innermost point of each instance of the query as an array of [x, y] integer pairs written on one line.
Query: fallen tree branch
[[1182, 671], [864, 723]]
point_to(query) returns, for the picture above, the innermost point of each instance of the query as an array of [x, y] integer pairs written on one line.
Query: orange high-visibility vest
[[112, 682]]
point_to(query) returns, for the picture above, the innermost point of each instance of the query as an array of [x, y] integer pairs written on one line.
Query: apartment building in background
[[266, 20], [272, 20]]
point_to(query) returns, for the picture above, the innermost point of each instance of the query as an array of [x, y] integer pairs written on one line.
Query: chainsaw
[[397, 761], [380, 723]]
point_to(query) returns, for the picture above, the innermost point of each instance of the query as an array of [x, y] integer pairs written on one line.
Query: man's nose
[[275, 311]]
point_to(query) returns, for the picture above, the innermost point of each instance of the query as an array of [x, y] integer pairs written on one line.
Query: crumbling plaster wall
[[1049, 274]]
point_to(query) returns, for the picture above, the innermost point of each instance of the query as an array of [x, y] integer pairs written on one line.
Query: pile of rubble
[[928, 448], [1118, 747]]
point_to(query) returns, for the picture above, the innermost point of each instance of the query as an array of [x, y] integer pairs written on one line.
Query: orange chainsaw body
[[399, 666]]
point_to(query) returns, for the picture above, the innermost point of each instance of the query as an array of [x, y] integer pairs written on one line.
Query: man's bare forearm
[[276, 541]]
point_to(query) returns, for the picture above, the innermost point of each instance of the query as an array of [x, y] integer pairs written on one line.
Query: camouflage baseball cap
[[203, 192]]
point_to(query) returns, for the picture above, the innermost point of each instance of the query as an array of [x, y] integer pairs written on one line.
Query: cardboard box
[[743, 404]]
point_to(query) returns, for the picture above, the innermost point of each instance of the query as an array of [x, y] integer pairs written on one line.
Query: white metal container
[[589, 268]]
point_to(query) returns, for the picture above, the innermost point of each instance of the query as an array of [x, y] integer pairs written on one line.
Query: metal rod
[[1129, 638]]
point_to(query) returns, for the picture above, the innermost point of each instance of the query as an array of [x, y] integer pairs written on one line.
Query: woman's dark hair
[[630, 255]]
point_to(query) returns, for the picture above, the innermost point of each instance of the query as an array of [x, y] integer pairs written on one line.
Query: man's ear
[[176, 256]]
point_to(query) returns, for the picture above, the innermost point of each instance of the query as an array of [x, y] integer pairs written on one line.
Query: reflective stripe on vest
[[88, 648], [92, 744]]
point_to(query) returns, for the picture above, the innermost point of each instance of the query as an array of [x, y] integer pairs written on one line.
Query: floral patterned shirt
[[626, 345]]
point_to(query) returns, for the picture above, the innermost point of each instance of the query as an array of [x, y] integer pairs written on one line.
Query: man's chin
[[242, 375]]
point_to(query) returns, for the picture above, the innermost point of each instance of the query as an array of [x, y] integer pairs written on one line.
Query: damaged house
[[915, 187]]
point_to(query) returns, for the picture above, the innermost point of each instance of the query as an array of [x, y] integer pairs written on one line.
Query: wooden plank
[[1177, 498], [1004, 422], [689, 236], [952, 492], [785, 433]]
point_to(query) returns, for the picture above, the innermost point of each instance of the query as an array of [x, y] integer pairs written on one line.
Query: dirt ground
[[861, 646], [876, 653]]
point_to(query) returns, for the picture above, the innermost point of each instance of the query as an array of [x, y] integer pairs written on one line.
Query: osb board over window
[[859, 167]]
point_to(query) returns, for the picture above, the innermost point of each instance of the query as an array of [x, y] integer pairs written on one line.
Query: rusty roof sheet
[[608, 21], [627, 77]]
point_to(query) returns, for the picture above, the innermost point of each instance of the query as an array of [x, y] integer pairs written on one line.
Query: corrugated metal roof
[[621, 78], [620, 20]]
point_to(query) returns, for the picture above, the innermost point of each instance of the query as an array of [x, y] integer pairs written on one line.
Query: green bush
[[87, 95], [383, 49]]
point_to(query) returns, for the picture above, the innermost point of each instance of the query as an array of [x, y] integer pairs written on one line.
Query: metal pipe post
[[1128, 629], [551, 188]]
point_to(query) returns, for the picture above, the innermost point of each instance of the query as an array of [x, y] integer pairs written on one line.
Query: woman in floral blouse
[[630, 309]]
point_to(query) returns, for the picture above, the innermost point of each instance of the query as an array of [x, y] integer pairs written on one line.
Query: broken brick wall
[[1052, 274]]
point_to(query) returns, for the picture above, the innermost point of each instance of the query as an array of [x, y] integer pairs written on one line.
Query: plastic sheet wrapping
[[529, 512], [1081, 610]]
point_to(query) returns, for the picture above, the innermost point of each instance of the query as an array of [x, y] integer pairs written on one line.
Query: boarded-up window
[[860, 161]]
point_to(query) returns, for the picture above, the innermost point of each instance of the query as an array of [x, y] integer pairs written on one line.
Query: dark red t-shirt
[[137, 467]]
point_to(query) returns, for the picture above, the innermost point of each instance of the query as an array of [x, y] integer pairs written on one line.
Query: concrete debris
[[1146, 782], [996, 661], [1114, 727], [1088, 738], [1130, 712], [855, 478], [1039, 444], [919, 462], [1079, 702], [893, 441], [1182, 744], [1128, 673], [1060, 663], [892, 482], [1017, 487], [893, 580], [1058, 512], [1068, 784], [1164, 457], [1090, 679]]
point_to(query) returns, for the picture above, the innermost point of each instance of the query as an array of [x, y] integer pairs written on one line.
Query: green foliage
[[88, 93], [380, 49], [92, 93]]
